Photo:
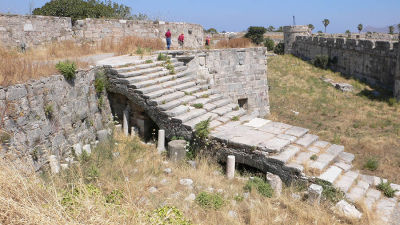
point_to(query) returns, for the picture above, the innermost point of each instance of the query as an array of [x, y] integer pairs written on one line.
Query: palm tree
[[311, 27], [359, 27], [326, 23], [391, 29]]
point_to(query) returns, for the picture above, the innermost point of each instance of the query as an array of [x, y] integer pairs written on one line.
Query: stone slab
[[274, 145], [296, 131], [344, 183], [335, 149], [385, 207], [321, 144], [257, 122], [307, 140], [287, 137], [288, 153], [303, 157], [331, 174]]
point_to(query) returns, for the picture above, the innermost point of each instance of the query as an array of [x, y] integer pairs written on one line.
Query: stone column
[[54, 164], [176, 150], [291, 32], [314, 193], [126, 121], [230, 167], [161, 141]]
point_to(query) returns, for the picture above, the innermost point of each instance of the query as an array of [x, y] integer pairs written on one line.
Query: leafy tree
[[360, 27], [326, 23], [398, 28], [81, 9], [311, 26], [140, 16], [347, 32], [279, 49], [270, 28], [319, 32], [269, 43], [391, 29], [280, 29], [212, 31], [256, 34]]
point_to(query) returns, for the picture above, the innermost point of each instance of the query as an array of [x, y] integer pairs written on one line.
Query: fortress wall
[[372, 61], [38, 30]]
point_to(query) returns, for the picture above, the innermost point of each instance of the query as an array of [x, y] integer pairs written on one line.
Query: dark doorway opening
[[243, 103]]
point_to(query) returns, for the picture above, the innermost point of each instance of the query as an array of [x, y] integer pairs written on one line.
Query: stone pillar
[[177, 150], [54, 164], [134, 131], [314, 193], [230, 166], [291, 32], [126, 121], [275, 182], [161, 141]]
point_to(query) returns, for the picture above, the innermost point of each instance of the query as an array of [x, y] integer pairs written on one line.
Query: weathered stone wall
[[75, 117], [37, 30], [236, 73], [33, 30], [371, 61], [396, 91], [97, 29], [291, 32]]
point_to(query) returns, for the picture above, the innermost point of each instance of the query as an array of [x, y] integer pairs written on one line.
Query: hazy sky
[[237, 15]]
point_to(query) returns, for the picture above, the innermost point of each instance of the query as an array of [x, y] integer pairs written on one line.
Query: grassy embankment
[[367, 126]]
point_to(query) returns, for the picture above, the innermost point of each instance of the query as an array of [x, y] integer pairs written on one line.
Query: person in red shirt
[[208, 41], [168, 39], [181, 40]]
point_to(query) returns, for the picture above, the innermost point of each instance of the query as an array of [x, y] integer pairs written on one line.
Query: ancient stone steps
[[155, 85], [146, 70], [150, 76], [140, 66]]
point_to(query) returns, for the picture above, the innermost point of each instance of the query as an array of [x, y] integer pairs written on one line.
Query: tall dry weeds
[[83, 194], [234, 43], [17, 67]]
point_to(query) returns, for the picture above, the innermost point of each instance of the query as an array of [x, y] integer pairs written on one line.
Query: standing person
[[208, 41], [168, 39], [181, 40]]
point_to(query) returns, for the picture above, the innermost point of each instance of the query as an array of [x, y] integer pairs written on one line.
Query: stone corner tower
[[291, 32]]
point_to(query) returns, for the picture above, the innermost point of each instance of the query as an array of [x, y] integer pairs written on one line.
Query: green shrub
[[100, 102], [329, 192], [198, 105], [235, 118], [205, 96], [101, 82], [202, 129], [49, 110], [392, 101], [321, 61], [67, 69], [279, 49], [387, 190], [371, 164], [115, 197], [238, 198], [149, 61], [314, 157], [269, 43], [256, 34], [162, 57], [139, 51], [167, 215], [210, 200], [260, 185]]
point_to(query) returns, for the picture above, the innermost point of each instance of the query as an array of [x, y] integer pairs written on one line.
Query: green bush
[[49, 110], [321, 61], [162, 57], [279, 49], [67, 69], [139, 51], [235, 118], [392, 101], [81, 9], [256, 34], [115, 197], [202, 129], [314, 157], [260, 185], [209, 200], [198, 105], [329, 192], [101, 82], [167, 215], [149, 61], [371, 164], [269, 43], [387, 190]]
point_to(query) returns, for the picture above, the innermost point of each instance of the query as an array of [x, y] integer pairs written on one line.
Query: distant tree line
[[256, 35], [81, 9]]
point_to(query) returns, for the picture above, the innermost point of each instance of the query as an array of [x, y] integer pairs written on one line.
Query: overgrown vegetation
[[100, 82], [372, 164], [321, 61], [162, 57], [198, 105], [210, 200], [260, 185], [81, 9], [168, 215], [269, 43], [49, 110], [330, 193], [234, 43], [279, 49], [67, 69], [331, 114], [387, 190], [256, 34]]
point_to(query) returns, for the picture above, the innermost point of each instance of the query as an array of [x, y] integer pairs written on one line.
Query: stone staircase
[[180, 96], [185, 100], [296, 148]]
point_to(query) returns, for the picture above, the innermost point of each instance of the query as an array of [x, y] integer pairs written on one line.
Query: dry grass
[[234, 43], [366, 126], [81, 195], [16, 67]]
